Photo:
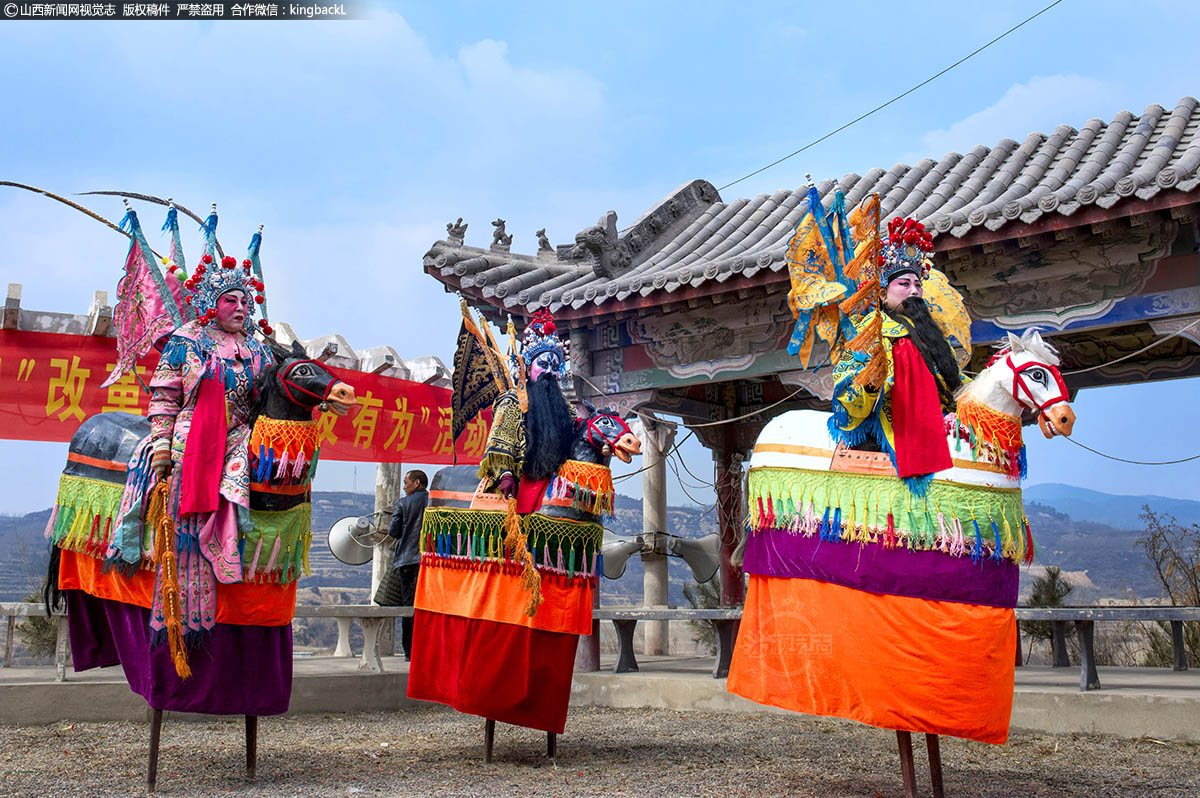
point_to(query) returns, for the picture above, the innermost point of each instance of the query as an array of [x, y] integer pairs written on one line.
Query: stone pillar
[[389, 484], [658, 439], [731, 514]]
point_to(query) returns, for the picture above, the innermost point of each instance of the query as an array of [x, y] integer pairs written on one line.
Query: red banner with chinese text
[[50, 383]]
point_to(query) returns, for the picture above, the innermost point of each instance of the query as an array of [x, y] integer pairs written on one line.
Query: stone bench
[[625, 619], [1085, 619], [371, 618], [16, 610]]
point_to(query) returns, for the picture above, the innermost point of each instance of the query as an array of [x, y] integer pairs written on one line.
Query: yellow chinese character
[[477, 432], [364, 422], [325, 428], [66, 389], [403, 425], [123, 394], [445, 439]]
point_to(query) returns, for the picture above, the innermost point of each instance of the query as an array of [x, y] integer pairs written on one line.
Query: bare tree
[[1174, 553]]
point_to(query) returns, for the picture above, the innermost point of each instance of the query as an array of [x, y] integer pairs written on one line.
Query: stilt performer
[[885, 538], [511, 548], [178, 538]]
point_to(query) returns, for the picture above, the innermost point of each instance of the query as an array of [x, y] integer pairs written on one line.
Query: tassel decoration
[[164, 534]]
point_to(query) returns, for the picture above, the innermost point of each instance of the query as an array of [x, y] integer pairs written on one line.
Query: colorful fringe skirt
[[475, 647], [242, 666], [846, 620]]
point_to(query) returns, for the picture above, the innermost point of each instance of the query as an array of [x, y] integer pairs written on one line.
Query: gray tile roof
[[693, 237]]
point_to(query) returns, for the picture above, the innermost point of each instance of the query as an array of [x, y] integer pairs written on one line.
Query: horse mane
[[260, 392], [1030, 341]]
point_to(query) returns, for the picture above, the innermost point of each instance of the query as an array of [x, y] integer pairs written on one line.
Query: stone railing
[[625, 619], [1085, 619], [13, 611], [370, 617]]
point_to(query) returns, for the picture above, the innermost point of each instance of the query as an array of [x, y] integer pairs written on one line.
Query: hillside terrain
[[1103, 558]]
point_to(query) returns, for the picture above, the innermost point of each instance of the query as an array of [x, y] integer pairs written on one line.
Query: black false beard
[[930, 342], [549, 429]]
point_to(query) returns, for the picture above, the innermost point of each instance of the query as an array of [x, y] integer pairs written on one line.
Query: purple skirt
[[237, 670]]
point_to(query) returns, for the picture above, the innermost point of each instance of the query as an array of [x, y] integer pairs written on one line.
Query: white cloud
[[1041, 104]]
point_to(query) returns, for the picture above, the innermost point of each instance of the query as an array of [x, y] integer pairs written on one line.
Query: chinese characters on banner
[[50, 383]]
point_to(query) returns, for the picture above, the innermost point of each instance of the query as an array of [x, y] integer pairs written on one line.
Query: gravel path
[[630, 752]]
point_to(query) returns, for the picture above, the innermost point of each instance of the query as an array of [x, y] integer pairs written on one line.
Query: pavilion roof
[[694, 243]]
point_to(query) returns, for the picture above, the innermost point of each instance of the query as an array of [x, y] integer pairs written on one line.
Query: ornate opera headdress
[[212, 279], [907, 250], [542, 336]]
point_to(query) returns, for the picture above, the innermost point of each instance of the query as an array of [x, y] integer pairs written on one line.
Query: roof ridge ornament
[[609, 255]]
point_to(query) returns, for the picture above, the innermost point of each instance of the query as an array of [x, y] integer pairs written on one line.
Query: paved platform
[[1134, 702]]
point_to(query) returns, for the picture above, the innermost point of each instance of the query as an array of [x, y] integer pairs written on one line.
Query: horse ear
[[298, 350], [589, 407], [277, 349], [1014, 343]]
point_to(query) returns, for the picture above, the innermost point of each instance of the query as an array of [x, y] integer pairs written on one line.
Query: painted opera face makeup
[[232, 309], [902, 287], [546, 361]]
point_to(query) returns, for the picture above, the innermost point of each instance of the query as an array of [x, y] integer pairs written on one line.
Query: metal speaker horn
[[703, 555], [352, 539], [615, 555]]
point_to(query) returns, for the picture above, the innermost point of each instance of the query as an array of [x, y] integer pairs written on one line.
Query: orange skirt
[[895, 662], [244, 604]]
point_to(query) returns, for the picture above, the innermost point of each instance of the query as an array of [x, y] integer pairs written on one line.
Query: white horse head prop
[[1024, 374]]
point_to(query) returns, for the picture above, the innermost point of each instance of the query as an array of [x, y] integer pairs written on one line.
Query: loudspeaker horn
[[703, 555], [614, 555], [352, 539]]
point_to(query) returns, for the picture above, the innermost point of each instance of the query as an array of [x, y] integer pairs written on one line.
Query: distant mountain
[[24, 554], [1107, 558], [1114, 509], [1089, 533]]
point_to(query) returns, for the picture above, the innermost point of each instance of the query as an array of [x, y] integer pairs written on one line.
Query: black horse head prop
[[602, 434], [296, 384]]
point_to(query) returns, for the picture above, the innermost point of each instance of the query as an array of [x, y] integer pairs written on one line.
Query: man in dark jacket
[[406, 529]]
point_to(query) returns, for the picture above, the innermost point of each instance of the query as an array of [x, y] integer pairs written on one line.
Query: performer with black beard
[[528, 444], [897, 377]]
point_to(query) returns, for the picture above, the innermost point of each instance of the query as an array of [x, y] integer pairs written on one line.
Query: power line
[[901, 96], [1133, 462]]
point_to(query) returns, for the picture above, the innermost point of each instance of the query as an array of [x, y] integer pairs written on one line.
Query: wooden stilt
[[904, 739], [155, 735], [489, 737], [551, 744], [251, 745], [935, 764]]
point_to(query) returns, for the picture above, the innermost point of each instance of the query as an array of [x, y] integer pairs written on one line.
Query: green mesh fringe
[[802, 501], [479, 535], [85, 514], [291, 531]]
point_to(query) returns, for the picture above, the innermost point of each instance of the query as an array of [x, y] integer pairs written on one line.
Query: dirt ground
[[634, 752]]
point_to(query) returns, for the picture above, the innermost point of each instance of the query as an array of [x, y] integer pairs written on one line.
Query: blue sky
[[355, 142]]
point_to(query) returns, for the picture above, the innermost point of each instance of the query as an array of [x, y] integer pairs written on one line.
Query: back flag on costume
[[146, 309], [479, 373], [822, 266]]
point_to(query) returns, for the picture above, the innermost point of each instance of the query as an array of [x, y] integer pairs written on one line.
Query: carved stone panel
[[1083, 272], [709, 341]]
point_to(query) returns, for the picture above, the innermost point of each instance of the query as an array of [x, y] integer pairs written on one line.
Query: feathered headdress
[[211, 279]]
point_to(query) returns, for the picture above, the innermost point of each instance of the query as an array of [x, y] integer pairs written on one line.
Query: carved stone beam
[[327, 352], [12, 306], [100, 315], [1176, 325], [819, 383]]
